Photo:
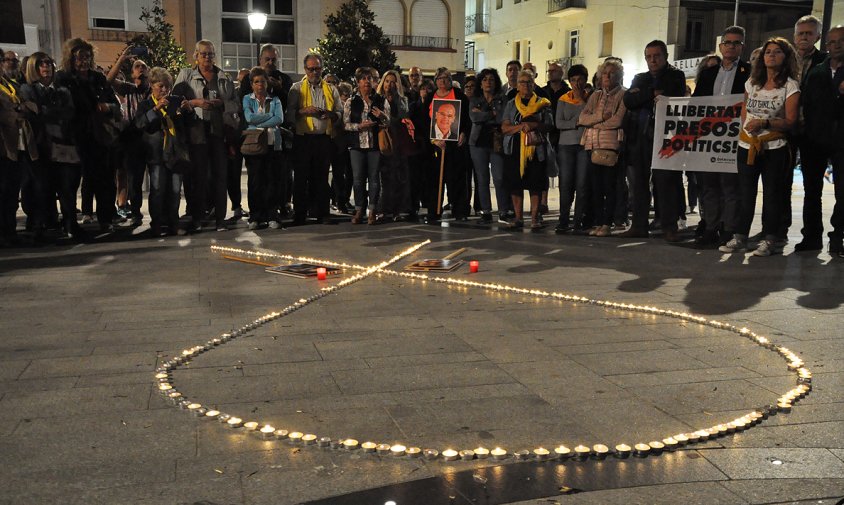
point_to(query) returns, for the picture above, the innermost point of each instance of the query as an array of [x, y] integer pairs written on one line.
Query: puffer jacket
[[603, 117]]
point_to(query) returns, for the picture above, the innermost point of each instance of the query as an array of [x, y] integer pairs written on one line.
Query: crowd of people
[[308, 146]]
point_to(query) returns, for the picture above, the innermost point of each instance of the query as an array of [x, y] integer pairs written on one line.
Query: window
[[527, 50], [270, 7], [517, 1], [606, 39], [117, 14], [574, 43], [429, 18], [694, 34], [517, 50], [240, 43], [499, 4], [235, 6]]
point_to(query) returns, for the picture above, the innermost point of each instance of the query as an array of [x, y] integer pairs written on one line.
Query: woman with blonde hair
[[771, 108], [395, 176], [212, 95]]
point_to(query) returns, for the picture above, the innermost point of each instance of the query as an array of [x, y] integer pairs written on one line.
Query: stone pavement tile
[[304, 367], [600, 335], [786, 490], [90, 365], [514, 348], [826, 387], [680, 376], [755, 358], [40, 328], [839, 453], [693, 493], [11, 370], [255, 351], [396, 346], [222, 390], [663, 360], [26, 352], [762, 463], [340, 334], [163, 323], [446, 375], [677, 399], [21, 386], [798, 323], [424, 359], [828, 435], [603, 349], [161, 348], [76, 401], [563, 382]]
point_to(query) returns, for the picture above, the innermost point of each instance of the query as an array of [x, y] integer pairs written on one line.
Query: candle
[[337, 443], [670, 443], [267, 432], [656, 446], [693, 438], [481, 453], [581, 452], [703, 434], [467, 455], [309, 439], [224, 418], [321, 273], [541, 453], [234, 422], [250, 425], [414, 452], [295, 437], [281, 434], [398, 450], [681, 439], [368, 446], [430, 453], [383, 449], [498, 453], [193, 407], [174, 396], [641, 450], [600, 451], [450, 454], [324, 441], [622, 451], [212, 414], [562, 452], [784, 407], [522, 455], [473, 266], [350, 444]]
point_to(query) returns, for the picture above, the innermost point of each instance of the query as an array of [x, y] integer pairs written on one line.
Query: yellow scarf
[[570, 98], [170, 130], [757, 143], [8, 89], [534, 105], [306, 123]]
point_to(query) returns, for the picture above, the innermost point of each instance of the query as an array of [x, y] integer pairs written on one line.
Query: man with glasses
[[314, 107], [12, 67], [822, 99], [719, 191]]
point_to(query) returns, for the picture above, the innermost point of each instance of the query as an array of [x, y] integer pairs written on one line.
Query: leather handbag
[[254, 143], [534, 138], [605, 157], [385, 141], [497, 140]]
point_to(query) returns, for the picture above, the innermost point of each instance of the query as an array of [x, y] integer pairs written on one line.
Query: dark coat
[[89, 124], [151, 123], [823, 111], [640, 104], [706, 82]]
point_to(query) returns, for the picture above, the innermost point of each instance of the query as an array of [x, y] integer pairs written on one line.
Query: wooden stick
[[440, 188], [455, 253]]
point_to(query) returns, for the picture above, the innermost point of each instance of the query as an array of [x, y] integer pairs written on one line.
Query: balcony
[[477, 23], [560, 8], [101, 34], [421, 42]]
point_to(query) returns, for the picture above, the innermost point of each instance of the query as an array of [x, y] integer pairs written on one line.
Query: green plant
[[164, 51], [354, 40]]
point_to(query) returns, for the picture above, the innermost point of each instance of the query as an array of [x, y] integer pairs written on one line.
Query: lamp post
[[257, 21]]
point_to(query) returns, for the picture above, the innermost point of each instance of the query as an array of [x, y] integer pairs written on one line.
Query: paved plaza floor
[[394, 360]]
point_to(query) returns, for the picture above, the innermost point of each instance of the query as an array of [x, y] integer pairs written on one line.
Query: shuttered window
[[429, 18], [389, 15]]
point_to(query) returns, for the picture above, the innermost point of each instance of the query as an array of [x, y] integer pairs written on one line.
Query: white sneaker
[[734, 245], [87, 219], [253, 225], [681, 225], [765, 248], [274, 225]]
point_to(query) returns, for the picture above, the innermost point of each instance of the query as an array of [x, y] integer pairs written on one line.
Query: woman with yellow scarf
[[526, 121]]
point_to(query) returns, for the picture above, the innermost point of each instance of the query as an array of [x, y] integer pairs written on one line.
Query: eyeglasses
[[313, 69], [207, 55], [733, 43]]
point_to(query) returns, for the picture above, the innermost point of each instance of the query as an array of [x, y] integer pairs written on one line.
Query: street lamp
[[257, 21]]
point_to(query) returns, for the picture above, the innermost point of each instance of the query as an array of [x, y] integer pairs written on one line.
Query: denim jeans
[[365, 169], [484, 159], [774, 167], [572, 161], [164, 196]]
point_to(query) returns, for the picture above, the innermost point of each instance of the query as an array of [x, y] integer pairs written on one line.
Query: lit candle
[[368, 446], [212, 414], [481, 453], [281, 434], [267, 432], [383, 449], [541, 453], [641, 450], [692, 438], [321, 273], [498, 453], [784, 407], [414, 452], [581, 452], [656, 446], [250, 425], [350, 444], [234, 422], [703, 434], [398, 450], [162, 375], [295, 437], [670, 443], [681, 439], [194, 407], [622, 451], [473, 266], [600, 451], [450, 455], [309, 439], [562, 452], [467, 455], [430, 453]]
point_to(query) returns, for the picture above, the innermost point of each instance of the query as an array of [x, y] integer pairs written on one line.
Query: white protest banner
[[697, 134]]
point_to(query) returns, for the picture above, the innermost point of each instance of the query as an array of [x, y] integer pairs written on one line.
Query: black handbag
[[254, 143]]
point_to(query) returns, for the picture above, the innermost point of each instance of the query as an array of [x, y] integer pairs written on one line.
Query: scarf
[[170, 128], [570, 98], [8, 89], [757, 143], [534, 105], [306, 123]]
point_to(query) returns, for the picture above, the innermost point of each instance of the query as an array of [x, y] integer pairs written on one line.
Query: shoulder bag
[[254, 142], [385, 141]]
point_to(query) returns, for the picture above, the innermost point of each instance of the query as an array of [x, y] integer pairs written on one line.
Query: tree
[[354, 40], [164, 51]]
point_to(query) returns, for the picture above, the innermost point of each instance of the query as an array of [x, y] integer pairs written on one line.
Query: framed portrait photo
[[445, 120]]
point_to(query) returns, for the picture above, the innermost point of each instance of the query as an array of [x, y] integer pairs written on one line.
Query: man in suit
[[444, 127], [719, 191], [822, 99]]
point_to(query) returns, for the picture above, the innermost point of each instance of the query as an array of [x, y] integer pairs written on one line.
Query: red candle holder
[[321, 273], [473, 266]]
